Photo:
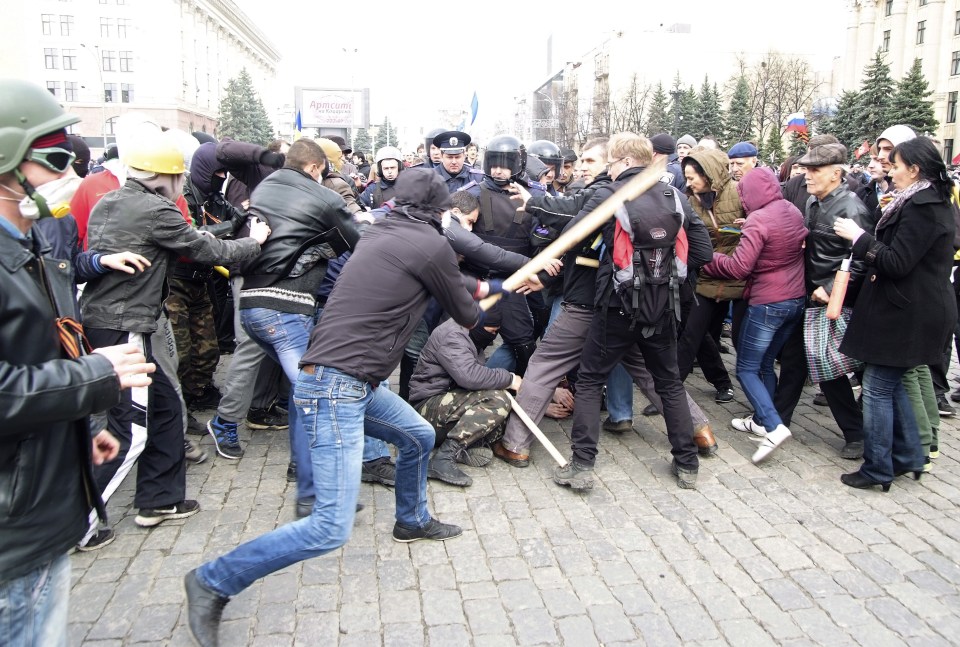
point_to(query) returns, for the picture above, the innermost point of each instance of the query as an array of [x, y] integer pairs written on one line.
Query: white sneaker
[[773, 440], [748, 425]]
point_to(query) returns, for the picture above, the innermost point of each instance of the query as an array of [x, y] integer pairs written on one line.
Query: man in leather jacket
[[48, 387]]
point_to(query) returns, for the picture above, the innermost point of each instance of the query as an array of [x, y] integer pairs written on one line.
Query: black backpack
[[649, 255]]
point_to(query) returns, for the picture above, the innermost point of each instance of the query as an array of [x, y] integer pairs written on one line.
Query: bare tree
[[629, 113]]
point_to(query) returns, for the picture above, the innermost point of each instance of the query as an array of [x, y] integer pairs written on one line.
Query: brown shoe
[[703, 437], [504, 454]]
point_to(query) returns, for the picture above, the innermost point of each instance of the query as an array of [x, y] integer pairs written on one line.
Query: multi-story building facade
[[168, 59], [906, 30]]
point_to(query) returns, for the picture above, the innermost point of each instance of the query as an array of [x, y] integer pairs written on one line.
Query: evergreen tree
[[773, 152], [739, 122], [242, 115], [709, 114], [386, 135], [362, 141], [911, 104], [798, 144], [845, 123], [677, 111], [876, 99], [658, 120], [690, 112]]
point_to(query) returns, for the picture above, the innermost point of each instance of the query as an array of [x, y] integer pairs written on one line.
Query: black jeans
[[608, 339], [697, 341]]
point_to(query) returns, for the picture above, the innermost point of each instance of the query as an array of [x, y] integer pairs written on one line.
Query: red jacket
[[770, 253], [91, 189]]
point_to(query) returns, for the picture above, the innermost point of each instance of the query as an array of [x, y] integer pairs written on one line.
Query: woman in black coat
[[905, 311]]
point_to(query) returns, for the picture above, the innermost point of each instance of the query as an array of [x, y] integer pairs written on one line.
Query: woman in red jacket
[[770, 258]]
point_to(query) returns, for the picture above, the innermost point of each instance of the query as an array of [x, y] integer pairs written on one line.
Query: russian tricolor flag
[[796, 123]]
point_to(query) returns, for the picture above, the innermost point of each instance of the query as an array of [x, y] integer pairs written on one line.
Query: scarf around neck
[[899, 199]]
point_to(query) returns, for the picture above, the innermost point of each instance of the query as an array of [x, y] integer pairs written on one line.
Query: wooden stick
[[535, 430], [592, 221]]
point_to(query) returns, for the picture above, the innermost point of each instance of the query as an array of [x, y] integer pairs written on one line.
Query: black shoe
[[820, 399], [577, 476], [724, 395], [150, 517], [724, 349], [204, 610], [916, 473], [381, 470], [619, 427], [443, 466], [434, 530], [291, 472], [209, 398], [267, 419], [195, 427], [945, 408], [852, 451], [104, 537], [726, 332], [651, 410], [861, 482], [955, 396]]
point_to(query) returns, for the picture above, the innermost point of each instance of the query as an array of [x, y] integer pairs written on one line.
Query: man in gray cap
[[743, 158], [453, 170], [684, 146]]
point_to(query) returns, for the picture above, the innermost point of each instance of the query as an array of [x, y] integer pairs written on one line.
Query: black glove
[[238, 219], [274, 160]]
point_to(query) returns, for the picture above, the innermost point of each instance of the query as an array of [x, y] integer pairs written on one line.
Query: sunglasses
[[55, 159]]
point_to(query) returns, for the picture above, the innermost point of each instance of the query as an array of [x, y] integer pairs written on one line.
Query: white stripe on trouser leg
[[138, 440]]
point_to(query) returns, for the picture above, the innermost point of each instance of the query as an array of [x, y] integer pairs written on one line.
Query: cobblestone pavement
[[777, 554]]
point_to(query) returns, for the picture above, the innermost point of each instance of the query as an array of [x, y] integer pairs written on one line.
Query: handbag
[[821, 344]]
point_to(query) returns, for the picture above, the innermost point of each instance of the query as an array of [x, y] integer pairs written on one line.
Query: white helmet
[[389, 153]]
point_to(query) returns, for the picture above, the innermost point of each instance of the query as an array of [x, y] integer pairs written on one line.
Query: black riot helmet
[[428, 142], [505, 151], [548, 153]]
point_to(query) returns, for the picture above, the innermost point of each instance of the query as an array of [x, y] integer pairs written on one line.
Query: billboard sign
[[333, 108]]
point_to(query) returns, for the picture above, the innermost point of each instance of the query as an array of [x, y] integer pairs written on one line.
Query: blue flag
[[298, 126], [474, 108]]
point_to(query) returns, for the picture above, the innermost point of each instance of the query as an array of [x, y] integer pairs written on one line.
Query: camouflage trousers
[[191, 316], [466, 416]]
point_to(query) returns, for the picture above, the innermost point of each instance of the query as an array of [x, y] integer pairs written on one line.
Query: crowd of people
[[317, 274]]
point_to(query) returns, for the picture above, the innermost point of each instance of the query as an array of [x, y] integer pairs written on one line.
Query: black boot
[[204, 609], [443, 466], [407, 365], [523, 353]]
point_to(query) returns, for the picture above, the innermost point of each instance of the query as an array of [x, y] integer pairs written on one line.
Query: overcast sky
[[452, 51]]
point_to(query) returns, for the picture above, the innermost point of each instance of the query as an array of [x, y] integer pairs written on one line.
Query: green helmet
[[27, 111]]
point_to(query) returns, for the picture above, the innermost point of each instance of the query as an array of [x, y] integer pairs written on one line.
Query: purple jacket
[[770, 253]]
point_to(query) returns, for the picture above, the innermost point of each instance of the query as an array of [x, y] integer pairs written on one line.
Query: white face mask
[[57, 195]]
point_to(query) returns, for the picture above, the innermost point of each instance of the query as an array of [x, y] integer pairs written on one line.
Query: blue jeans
[[619, 394], [336, 410], [891, 440], [764, 331], [33, 607]]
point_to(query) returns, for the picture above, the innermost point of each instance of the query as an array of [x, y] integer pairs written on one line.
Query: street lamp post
[[103, 97]]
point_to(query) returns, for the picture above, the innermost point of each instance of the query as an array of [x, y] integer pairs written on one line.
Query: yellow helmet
[[332, 150], [154, 153]]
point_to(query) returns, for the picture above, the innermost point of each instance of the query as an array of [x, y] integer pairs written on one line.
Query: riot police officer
[[501, 224], [453, 170], [548, 153], [389, 161]]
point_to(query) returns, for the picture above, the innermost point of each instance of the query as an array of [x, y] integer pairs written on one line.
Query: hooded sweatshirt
[[383, 290], [770, 253]]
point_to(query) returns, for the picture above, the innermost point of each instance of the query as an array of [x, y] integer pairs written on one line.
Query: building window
[[923, 3], [54, 88], [109, 61], [955, 64], [66, 25], [70, 91], [126, 61], [69, 59], [110, 125], [921, 28], [126, 93], [50, 58], [46, 20], [105, 25], [110, 92], [888, 9], [886, 41], [956, 24], [122, 24], [948, 151]]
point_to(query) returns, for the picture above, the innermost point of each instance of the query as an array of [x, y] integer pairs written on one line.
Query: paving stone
[[533, 627], [486, 617], [786, 594], [655, 630], [896, 616], [745, 632], [442, 608], [610, 624], [577, 630]]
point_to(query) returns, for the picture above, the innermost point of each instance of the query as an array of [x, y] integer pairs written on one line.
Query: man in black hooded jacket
[[398, 264]]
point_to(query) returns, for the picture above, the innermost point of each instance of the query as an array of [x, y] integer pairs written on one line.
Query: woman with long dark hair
[[905, 311]]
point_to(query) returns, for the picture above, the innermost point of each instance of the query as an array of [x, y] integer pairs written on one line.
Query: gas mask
[[51, 199]]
